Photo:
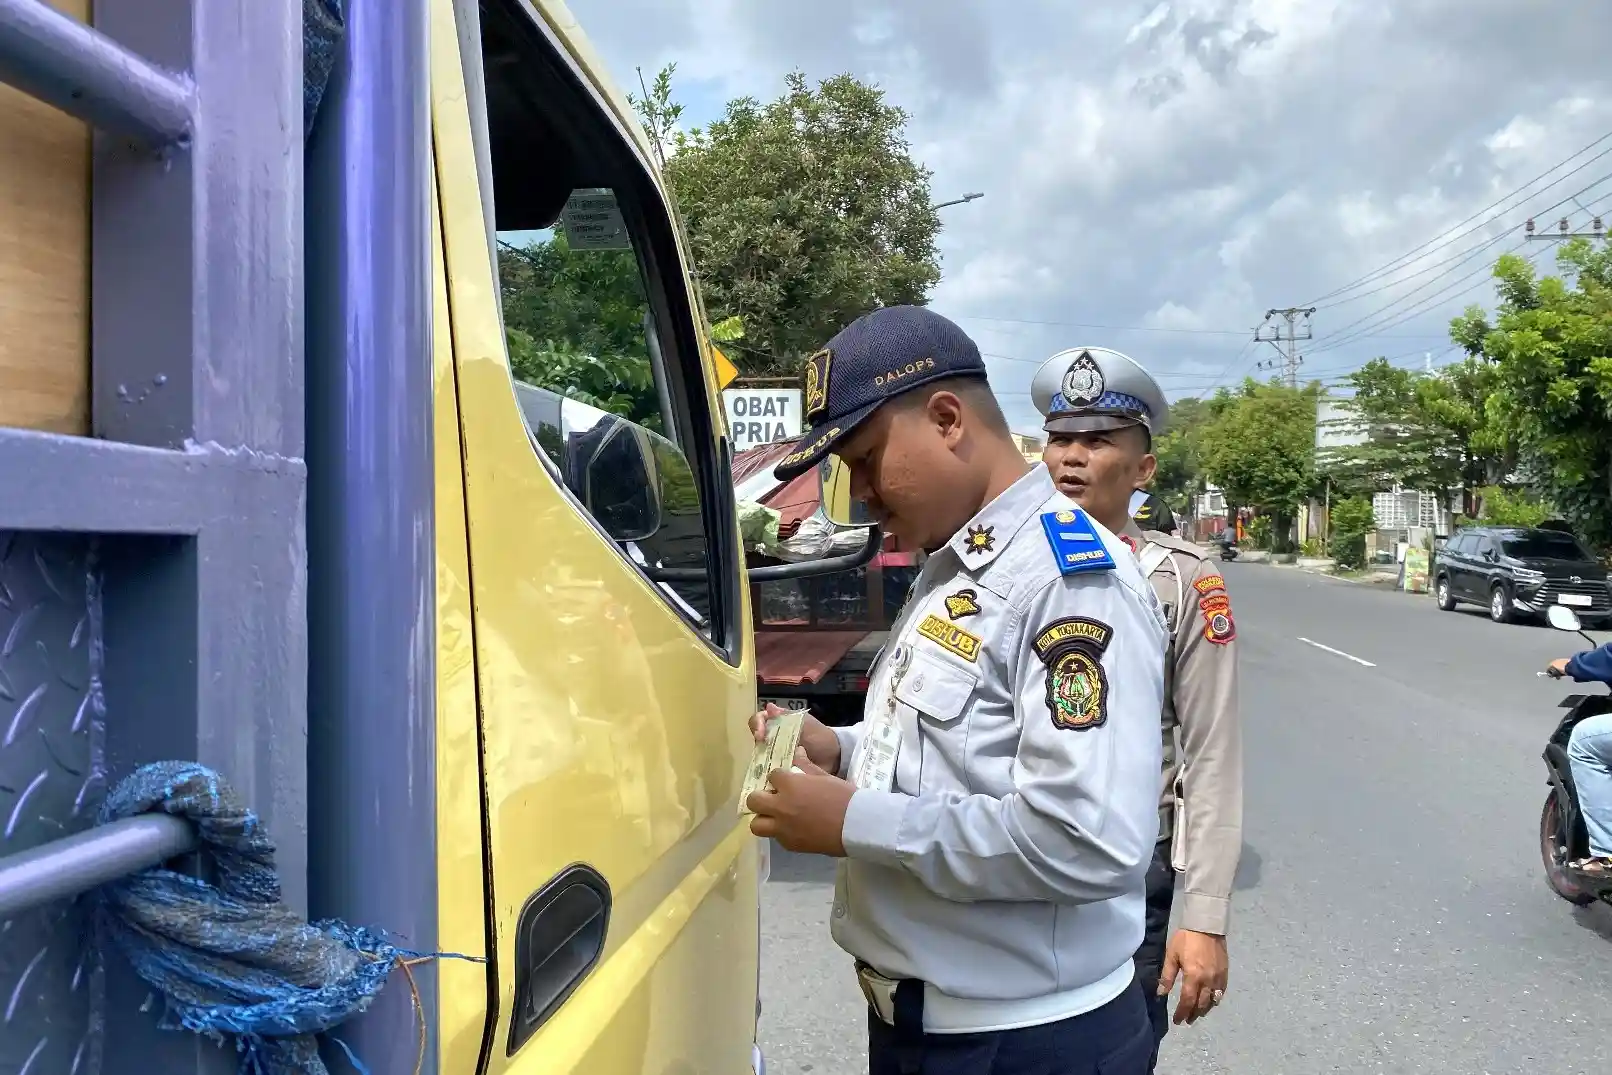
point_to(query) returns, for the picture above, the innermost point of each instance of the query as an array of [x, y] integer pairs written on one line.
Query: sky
[[1159, 175]]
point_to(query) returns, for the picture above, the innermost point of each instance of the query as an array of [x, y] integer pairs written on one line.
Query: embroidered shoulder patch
[[1075, 543], [949, 636], [1219, 627], [1209, 582], [963, 603], [1077, 685]]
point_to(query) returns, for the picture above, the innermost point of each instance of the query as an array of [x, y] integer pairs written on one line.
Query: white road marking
[[1338, 652]]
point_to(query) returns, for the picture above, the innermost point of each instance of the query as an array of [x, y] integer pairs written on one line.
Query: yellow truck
[[478, 656]]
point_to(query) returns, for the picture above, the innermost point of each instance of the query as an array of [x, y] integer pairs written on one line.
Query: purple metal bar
[[86, 74], [371, 510], [75, 864]]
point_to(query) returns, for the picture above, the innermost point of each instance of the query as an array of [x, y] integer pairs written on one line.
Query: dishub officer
[[996, 808]]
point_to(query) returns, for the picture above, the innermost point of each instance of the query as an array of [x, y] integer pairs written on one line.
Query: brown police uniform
[[1201, 806]]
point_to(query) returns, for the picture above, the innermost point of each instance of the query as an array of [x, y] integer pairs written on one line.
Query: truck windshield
[[1544, 545]]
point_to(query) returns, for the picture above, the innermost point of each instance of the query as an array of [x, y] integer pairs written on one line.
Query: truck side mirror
[[622, 473], [838, 507]]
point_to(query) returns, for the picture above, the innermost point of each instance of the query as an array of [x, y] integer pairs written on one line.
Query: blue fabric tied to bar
[[231, 960]]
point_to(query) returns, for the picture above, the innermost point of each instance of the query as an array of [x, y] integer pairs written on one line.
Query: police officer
[[1102, 411], [995, 810]]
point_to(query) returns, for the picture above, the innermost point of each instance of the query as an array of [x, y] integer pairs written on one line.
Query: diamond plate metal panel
[[50, 776]]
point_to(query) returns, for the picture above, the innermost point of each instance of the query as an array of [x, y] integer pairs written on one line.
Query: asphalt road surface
[[1391, 914]]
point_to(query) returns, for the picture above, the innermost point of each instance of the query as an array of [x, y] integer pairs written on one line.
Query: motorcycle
[[1563, 838], [1228, 549]]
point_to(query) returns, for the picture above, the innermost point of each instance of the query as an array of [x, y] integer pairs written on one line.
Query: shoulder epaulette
[[1075, 543]]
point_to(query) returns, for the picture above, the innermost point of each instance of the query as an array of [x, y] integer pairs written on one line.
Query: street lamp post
[[960, 201]]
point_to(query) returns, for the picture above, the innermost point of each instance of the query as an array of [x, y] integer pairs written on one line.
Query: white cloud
[[1175, 169]]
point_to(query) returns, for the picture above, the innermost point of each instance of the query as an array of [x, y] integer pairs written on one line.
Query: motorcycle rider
[[1102, 410], [1589, 753]]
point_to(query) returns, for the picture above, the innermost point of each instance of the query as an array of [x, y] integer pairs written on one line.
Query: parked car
[[1520, 572]]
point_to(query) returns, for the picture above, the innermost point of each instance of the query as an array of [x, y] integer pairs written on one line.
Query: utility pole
[[1296, 321], [1596, 230]]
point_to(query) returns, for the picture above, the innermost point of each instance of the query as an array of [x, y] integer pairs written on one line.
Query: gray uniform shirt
[[1203, 742], [1008, 859]]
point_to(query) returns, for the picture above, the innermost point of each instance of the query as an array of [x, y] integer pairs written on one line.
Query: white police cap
[[1088, 389]]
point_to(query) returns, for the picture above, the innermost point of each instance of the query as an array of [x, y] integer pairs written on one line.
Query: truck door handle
[[559, 938]]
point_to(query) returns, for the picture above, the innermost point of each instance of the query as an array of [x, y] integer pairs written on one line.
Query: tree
[[1350, 519], [1180, 452], [802, 214], [1260, 448], [1550, 345], [575, 325], [1425, 431]]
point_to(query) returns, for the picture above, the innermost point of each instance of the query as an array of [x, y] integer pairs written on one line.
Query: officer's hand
[[805, 810], [1200, 961], [821, 744]]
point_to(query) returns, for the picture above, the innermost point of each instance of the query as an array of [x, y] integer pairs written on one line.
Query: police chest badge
[[1077, 687], [817, 383], [1083, 381]]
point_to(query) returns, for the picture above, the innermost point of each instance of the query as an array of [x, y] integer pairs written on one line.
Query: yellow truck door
[[613, 673]]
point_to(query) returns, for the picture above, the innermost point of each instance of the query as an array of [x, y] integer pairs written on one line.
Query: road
[[1391, 916]]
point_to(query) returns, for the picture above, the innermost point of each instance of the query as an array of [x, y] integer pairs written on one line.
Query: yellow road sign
[[726, 371]]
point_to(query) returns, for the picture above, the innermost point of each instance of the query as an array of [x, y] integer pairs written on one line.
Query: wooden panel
[[44, 262]]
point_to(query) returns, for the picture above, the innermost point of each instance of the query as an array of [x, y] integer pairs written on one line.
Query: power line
[[1364, 322], [1294, 319], [1414, 253]]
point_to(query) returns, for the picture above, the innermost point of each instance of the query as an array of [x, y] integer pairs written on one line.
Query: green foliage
[[1425, 431], [802, 214], [1512, 507], [1180, 452], [1259, 531], [1347, 526], [1550, 343], [1259, 447], [574, 322], [728, 329]]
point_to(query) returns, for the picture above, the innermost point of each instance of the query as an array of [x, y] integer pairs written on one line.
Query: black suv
[[1517, 571]]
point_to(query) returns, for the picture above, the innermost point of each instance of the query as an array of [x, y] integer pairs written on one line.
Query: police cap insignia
[[962, 603], [817, 382], [1083, 381]]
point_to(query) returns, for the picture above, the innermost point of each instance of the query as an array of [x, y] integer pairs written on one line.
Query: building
[[1029, 447]]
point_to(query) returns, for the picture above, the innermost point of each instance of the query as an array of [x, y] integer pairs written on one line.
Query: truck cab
[[279, 494]]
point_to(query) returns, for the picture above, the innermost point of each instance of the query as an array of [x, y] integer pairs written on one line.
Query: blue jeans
[[1589, 752]]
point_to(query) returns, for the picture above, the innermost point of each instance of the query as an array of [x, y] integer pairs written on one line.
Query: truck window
[[596, 311]]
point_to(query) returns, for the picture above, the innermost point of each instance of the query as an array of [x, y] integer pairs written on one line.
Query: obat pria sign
[[758, 416]]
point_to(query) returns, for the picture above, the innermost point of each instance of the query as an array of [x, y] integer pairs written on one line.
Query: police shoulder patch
[[1208, 583], [1215, 607], [950, 637], [1075, 543], [1077, 685]]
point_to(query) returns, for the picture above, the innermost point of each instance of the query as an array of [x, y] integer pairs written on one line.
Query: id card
[[876, 768]]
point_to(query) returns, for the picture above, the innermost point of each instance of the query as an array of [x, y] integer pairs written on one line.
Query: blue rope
[[231, 960]]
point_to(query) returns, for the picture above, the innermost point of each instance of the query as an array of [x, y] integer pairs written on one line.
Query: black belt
[[900, 1003]]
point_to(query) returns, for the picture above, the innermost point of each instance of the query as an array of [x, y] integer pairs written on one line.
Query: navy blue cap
[[871, 361]]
